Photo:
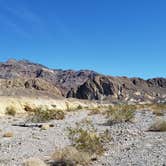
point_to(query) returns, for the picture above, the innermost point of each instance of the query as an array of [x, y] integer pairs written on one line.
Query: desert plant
[[79, 107], [8, 134], [28, 109], [94, 111], [34, 162], [86, 141], [70, 156], [43, 115], [11, 111], [158, 126], [158, 109], [120, 113], [158, 112]]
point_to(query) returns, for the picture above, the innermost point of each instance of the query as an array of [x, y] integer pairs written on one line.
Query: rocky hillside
[[27, 78]]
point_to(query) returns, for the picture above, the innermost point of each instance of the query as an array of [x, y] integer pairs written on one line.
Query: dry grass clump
[[94, 111], [158, 126], [158, 109], [70, 156], [158, 112], [28, 109], [43, 115], [120, 113], [11, 111], [8, 134], [34, 162]]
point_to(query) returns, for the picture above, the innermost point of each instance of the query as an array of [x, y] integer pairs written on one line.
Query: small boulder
[[45, 126]]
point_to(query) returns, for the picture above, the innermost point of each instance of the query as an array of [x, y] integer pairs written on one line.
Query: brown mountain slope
[[29, 78]]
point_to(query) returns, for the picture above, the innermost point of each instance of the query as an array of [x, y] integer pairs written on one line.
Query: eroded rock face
[[24, 76], [95, 88]]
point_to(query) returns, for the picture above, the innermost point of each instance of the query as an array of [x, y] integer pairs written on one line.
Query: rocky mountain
[[27, 78]]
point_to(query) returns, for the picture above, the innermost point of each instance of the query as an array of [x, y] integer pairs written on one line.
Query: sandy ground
[[130, 145]]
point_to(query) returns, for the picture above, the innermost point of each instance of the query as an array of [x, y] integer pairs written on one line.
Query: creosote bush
[[86, 141], [11, 111], [85, 138], [43, 115], [120, 113]]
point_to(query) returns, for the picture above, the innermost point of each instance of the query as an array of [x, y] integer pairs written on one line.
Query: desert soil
[[131, 144]]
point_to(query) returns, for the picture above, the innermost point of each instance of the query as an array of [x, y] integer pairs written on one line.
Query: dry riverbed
[[131, 143]]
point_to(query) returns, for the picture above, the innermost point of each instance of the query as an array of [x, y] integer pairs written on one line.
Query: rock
[[45, 126], [19, 78]]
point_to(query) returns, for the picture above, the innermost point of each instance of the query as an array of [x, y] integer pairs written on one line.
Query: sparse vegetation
[[120, 113], [28, 109], [158, 109], [94, 111], [158, 126], [86, 139], [43, 115], [34, 162], [70, 156], [79, 107], [11, 111], [158, 112]]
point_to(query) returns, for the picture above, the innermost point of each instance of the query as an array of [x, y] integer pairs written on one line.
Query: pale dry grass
[[34, 162], [158, 126], [70, 156]]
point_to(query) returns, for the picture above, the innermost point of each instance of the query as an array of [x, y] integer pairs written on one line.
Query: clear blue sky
[[115, 37]]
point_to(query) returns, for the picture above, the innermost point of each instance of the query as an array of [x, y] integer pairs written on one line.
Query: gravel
[[131, 144]]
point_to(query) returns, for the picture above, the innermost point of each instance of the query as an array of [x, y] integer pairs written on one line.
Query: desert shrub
[[43, 115], [158, 126], [86, 141], [70, 156], [79, 107], [120, 113], [27, 108], [85, 138], [69, 108], [11, 111]]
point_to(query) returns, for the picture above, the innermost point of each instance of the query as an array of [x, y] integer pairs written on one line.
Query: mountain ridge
[[83, 84]]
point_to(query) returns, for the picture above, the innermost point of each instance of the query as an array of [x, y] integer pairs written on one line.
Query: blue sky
[[115, 37]]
